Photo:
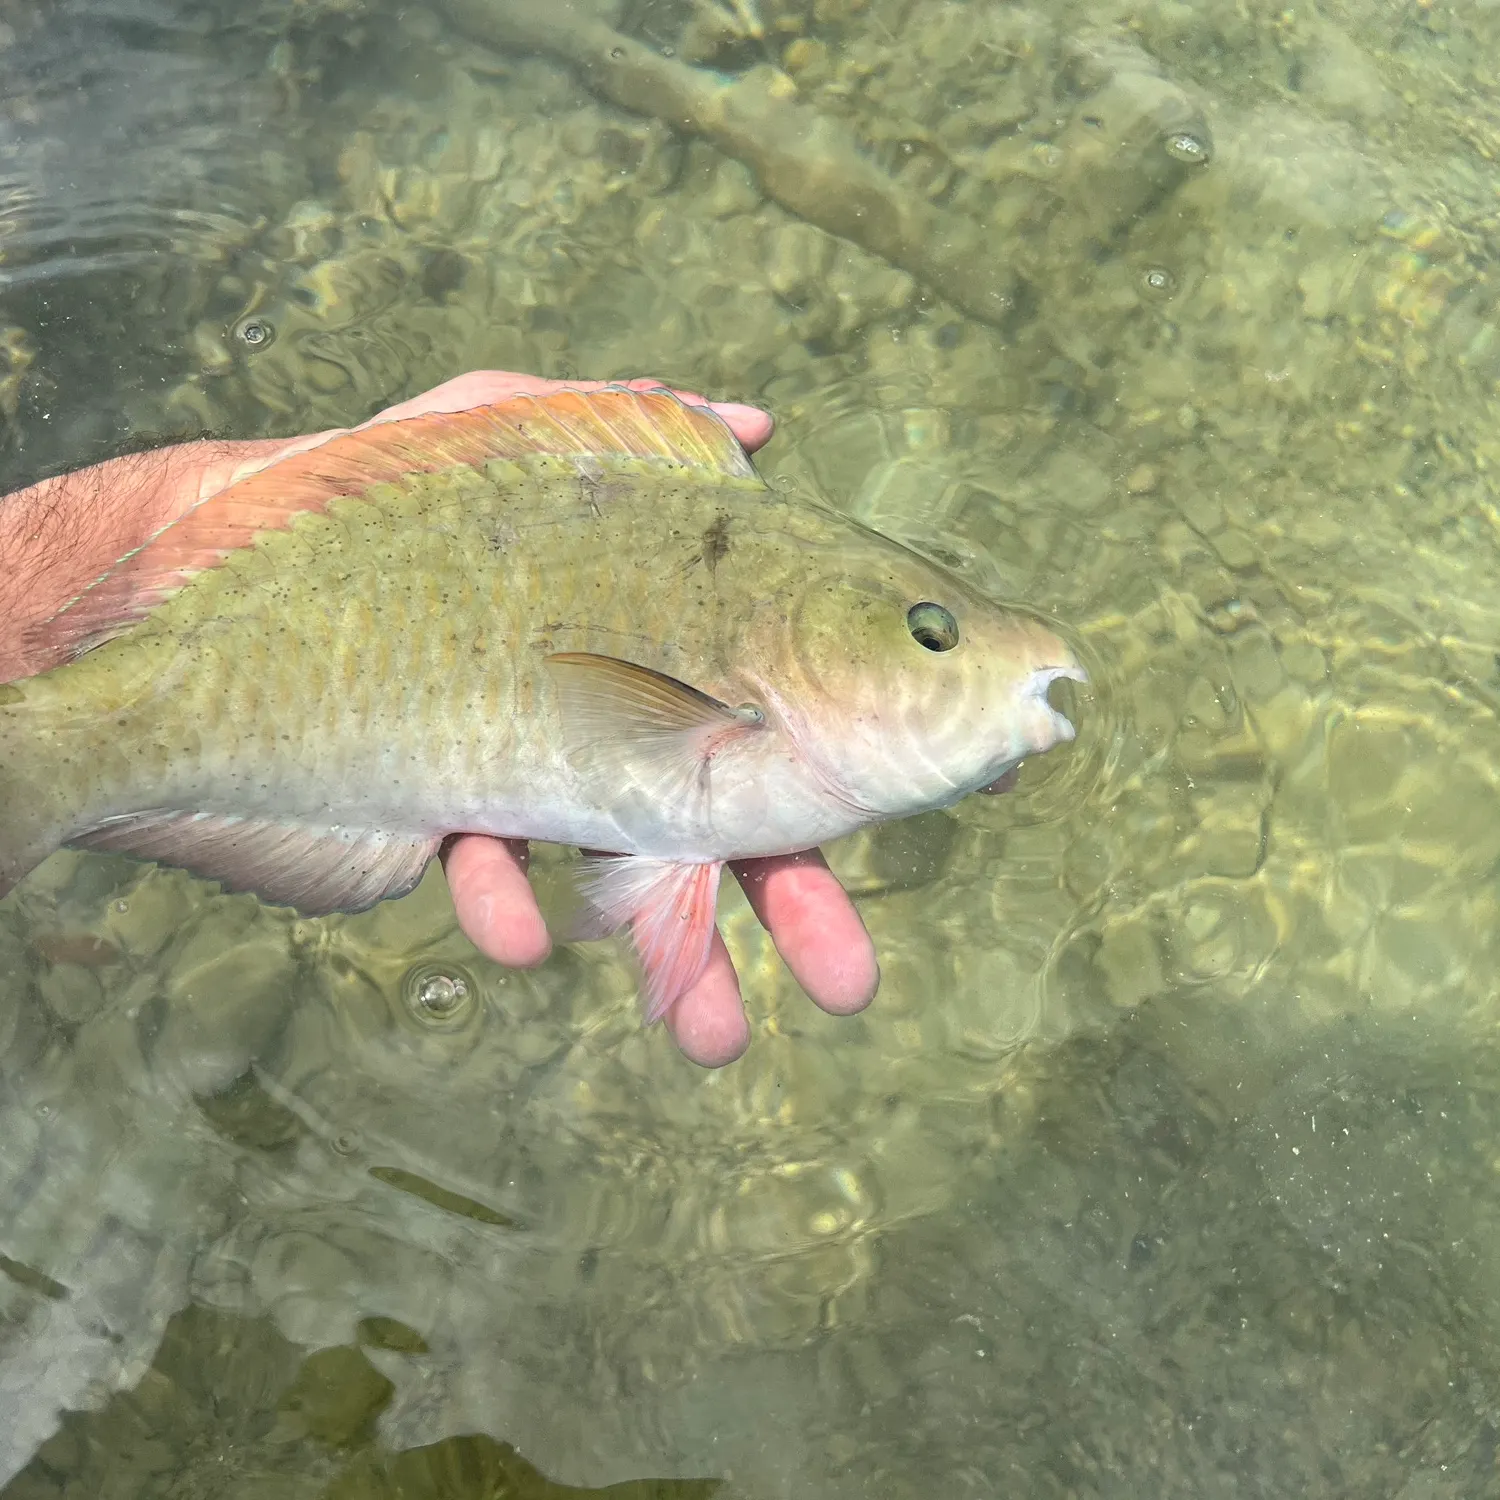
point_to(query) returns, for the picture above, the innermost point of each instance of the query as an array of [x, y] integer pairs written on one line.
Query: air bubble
[[257, 333], [1185, 147], [439, 995], [1159, 281]]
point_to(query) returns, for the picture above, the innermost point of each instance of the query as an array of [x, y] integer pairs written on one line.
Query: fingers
[[749, 424], [499, 915], [194, 471], [815, 928], [752, 426], [796, 896], [708, 1022], [464, 392], [205, 468], [493, 899], [817, 932]]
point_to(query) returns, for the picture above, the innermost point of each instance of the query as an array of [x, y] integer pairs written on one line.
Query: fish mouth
[[1035, 691], [1004, 781], [1047, 726]]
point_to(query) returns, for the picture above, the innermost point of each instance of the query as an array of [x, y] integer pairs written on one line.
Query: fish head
[[909, 690]]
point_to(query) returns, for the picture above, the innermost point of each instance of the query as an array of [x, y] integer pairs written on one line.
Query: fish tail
[[29, 819]]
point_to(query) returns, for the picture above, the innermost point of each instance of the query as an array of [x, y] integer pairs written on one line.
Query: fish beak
[[1059, 730], [1042, 726]]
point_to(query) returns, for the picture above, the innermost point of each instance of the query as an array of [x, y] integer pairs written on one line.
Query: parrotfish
[[580, 619]]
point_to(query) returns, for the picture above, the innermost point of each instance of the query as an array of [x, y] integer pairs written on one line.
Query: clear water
[[1165, 1163]]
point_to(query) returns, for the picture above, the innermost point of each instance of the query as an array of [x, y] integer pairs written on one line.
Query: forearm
[[60, 535]]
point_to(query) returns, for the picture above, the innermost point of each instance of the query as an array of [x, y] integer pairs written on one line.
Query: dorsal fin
[[612, 422]]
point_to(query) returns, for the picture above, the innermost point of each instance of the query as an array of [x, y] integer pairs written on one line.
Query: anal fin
[[315, 870], [670, 908]]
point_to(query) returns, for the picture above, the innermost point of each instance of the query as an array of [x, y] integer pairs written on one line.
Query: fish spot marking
[[716, 541]]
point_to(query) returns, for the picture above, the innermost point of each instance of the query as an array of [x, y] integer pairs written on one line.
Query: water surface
[[1164, 1164]]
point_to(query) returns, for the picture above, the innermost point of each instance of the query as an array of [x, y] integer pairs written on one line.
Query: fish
[[581, 618]]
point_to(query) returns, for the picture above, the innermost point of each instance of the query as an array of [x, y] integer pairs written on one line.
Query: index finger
[[749, 424], [815, 928]]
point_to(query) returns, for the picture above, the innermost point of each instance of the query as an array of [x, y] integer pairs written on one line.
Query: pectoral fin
[[627, 723], [670, 908]]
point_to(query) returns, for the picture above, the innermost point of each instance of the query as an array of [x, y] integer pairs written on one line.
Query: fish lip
[[1005, 780], [1041, 680], [1058, 728]]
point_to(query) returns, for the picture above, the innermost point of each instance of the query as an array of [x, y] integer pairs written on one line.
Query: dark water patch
[[143, 146]]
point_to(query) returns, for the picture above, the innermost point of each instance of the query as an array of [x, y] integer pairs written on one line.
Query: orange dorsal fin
[[609, 423]]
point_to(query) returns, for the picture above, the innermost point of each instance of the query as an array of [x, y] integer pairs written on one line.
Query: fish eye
[[932, 626]]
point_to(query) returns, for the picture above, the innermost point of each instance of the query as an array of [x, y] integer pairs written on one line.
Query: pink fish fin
[[599, 425], [315, 870], [670, 909], [636, 728]]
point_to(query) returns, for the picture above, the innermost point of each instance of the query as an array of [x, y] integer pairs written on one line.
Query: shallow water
[[1164, 1163]]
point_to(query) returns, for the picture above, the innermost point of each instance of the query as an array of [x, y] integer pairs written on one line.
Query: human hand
[[58, 536]]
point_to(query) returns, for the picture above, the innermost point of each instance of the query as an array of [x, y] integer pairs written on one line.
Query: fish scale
[[581, 619]]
